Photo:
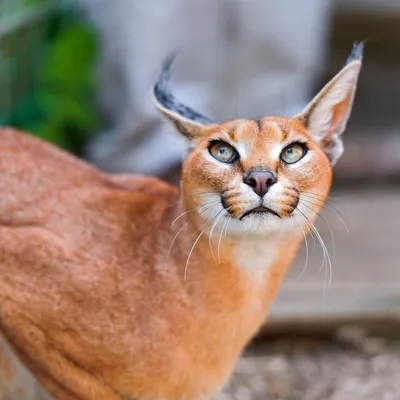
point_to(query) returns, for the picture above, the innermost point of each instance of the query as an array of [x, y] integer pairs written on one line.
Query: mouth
[[259, 210]]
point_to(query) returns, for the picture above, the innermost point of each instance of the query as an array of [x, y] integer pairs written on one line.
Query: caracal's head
[[266, 176]]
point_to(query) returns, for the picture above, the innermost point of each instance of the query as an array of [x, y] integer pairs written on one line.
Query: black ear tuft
[[169, 102], [327, 114], [161, 89], [356, 53]]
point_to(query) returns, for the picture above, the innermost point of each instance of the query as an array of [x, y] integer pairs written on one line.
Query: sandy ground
[[347, 366], [317, 370]]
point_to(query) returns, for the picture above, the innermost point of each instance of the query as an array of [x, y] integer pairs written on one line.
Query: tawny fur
[[118, 287], [90, 301]]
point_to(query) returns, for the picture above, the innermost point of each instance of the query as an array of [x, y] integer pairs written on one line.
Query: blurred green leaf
[[70, 62], [32, 3], [59, 108]]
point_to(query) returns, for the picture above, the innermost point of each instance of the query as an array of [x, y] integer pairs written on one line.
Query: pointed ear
[[327, 114], [189, 122]]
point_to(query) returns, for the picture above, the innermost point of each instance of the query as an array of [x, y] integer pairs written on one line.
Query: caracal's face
[[256, 178], [264, 177]]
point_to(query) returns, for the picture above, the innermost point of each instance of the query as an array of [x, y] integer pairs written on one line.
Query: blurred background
[[79, 74]]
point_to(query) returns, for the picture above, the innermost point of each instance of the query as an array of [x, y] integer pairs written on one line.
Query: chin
[[218, 221], [262, 224]]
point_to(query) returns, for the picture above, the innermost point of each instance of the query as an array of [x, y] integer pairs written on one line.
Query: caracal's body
[[123, 287]]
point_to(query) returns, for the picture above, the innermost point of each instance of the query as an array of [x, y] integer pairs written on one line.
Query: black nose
[[260, 181]]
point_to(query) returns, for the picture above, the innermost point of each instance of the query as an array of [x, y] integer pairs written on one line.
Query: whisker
[[327, 260], [324, 200], [333, 211], [324, 256], [219, 241], [200, 192], [193, 209], [226, 228], [323, 196], [197, 194], [173, 241], [306, 244], [310, 232], [196, 241], [181, 215], [210, 240], [180, 230], [329, 229], [190, 253]]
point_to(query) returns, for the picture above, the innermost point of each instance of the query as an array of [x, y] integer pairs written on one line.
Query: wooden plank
[[365, 262]]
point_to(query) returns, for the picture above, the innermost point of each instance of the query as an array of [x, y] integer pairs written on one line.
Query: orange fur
[[90, 302], [123, 287]]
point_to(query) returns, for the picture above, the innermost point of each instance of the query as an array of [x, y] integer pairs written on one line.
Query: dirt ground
[[347, 368]]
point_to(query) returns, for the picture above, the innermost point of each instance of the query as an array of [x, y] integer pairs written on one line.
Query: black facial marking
[[239, 167], [259, 124], [226, 207], [295, 199], [295, 202], [257, 210], [164, 96]]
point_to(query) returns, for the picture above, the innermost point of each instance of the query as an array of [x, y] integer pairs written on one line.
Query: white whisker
[[190, 253], [307, 251], [198, 238], [326, 260], [226, 228], [329, 229], [193, 209], [181, 215], [311, 233], [181, 229], [220, 238], [210, 239], [173, 241], [331, 209]]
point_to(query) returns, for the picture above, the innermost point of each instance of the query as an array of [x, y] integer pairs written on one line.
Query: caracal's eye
[[293, 153], [223, 152]]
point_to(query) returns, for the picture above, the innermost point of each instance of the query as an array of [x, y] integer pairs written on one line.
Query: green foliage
[[59, 108], [64, 91], [33, 3]]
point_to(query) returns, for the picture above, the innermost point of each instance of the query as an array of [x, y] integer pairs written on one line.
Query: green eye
[[223, 152], [293, 153]]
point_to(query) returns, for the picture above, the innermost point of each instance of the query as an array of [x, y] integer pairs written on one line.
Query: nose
[[260, 181]]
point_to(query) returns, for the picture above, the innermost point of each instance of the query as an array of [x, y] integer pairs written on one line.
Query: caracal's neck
[[231, 294], [259, 263], [228, 286], [231, 267]]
